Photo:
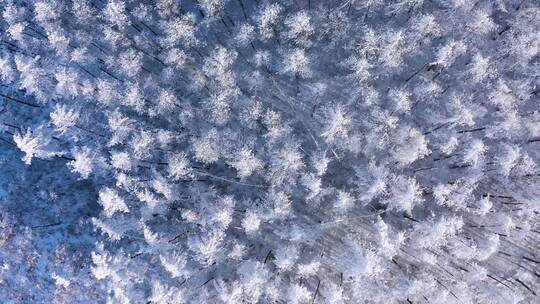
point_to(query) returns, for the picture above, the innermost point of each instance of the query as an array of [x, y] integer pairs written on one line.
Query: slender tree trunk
[[243, 9]]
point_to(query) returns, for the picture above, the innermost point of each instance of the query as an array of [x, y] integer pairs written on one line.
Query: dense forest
[[254, 151]]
